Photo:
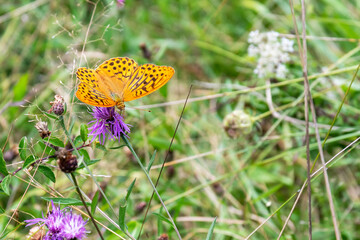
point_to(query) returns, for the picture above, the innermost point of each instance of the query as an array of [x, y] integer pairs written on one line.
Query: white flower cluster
[[272, 53]]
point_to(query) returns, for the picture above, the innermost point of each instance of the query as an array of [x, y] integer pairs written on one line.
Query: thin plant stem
[[307, 95], [128, 144], [84, 203], [166, 157]]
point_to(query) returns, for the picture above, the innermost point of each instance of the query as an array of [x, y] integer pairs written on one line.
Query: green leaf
[[101, 147], [129, 190], [5, 184], [164, 219], [121, 146], [122, 213], [123, 205], [20, 87], [47, 172], [65, 201], [94, 202], [85, 155], [211, 230], [54, 141], [51, 116], [29, 160], [22, 148], [91, 162], [65, 108], [151, 161], [3, 168], [78, 141], [2, 210], [48, 150], [84, 132]]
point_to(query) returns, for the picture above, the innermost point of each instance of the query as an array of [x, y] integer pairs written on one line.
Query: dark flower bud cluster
[[57, 106], [67, 161]]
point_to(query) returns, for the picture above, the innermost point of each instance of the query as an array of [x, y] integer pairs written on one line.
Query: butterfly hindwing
[[146, 79]]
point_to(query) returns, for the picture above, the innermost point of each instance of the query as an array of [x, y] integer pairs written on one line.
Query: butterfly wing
[[114, 73], [146, 79], [91, 90], [93, 96]]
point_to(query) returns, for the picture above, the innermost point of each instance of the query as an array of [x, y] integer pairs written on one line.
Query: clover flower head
[[107, 124], [271, 52]]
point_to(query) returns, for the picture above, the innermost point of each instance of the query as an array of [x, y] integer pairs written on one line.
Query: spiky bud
[[43, 129], [57, 105], [66, 161], [237, 123]]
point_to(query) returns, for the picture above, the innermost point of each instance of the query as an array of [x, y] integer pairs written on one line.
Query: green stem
[[83, 201], [152, 184], [61, 119]]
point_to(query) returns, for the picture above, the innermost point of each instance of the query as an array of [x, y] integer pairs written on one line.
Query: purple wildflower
[[54, 219], [73, 227], [107, 123], [61, 225], [120, 3], [53, 222]]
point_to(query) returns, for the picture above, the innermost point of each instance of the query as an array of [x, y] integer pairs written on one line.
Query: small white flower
[[271, 51], [281, 71], [254, 37], [287, 45], [253, 50]]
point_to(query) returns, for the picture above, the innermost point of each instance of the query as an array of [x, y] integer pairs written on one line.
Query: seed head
[[237, 123], [43, 129]]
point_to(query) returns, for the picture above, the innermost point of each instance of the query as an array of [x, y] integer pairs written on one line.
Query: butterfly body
[[119, 80]]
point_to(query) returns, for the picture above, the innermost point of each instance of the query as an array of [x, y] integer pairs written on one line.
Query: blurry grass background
[[241, 181]]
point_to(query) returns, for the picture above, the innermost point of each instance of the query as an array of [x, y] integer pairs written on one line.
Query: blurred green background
[[240, 180]]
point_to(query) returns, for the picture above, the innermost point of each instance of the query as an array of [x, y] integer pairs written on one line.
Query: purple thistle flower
[[61, 225], [73, 227], [108, 123], [54, 219]]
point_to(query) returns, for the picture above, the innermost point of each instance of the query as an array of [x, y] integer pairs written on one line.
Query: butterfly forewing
[[146, 79], [93, 96], [115, 72]]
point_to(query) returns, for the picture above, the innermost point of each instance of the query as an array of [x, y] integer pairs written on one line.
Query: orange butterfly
[[120, 80]]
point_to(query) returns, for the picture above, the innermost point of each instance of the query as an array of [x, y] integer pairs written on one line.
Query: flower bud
[[36, 233], [237, 123], [163, 236], [140, 207], [43, 129], [57, 105], [11, 154], [66, 161]]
